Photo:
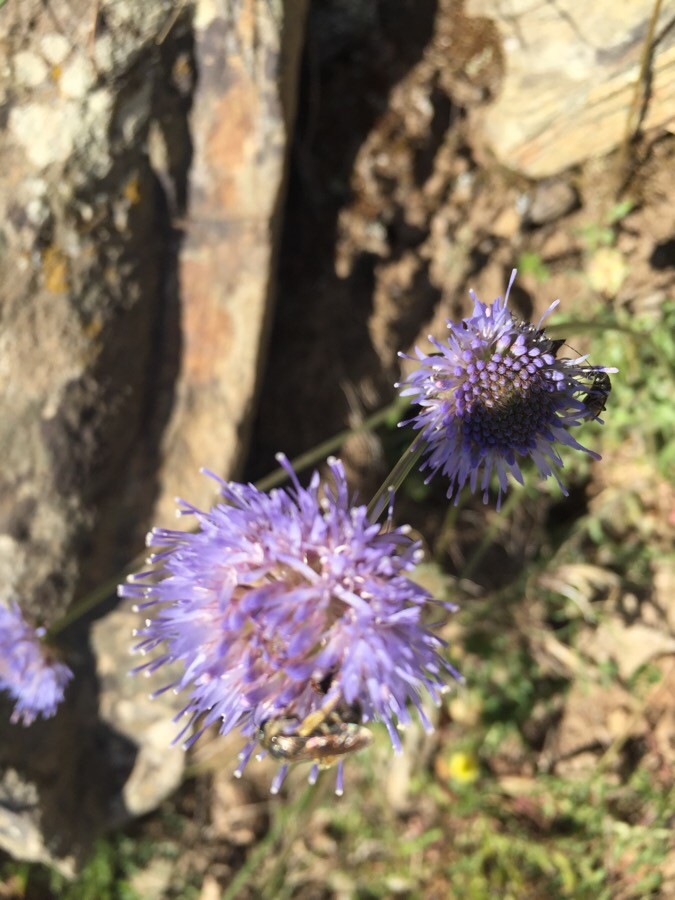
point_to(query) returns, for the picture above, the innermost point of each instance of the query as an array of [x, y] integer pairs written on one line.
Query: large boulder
[[142, 168], [579, 78]]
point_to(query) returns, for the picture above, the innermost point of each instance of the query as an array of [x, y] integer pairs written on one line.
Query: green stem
[[448, 528], [321, 451], [93, 598], [278, 476], [395, 479]]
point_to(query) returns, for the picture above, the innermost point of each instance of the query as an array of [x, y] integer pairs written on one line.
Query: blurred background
[[220, 220]]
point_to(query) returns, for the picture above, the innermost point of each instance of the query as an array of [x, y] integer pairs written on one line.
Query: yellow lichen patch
[[55, 270], [181, 73], [111, 277], [132, 191], [55, 73], [93, 328]]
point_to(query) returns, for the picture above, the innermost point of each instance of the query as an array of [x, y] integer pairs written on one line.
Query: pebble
[[551, 200]]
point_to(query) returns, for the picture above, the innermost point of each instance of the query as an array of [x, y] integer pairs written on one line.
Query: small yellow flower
[[463, 767]]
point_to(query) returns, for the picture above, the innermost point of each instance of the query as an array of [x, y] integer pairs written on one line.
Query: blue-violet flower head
[[287, 603], [495, 391], [28, 673]]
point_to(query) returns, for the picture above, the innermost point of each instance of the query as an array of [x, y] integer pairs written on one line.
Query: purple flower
[[35, 681], [290, 605], [496, 391]]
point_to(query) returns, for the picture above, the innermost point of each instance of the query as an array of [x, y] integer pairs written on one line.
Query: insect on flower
[[596, 399], [336, 736], [541, 340], [295, 622], [323, 737], [496, 392]]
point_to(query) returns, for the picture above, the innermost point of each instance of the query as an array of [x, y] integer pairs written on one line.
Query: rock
[[551, 200], [241, 121], [29, 69], [21, 833], [627, 646], [127, 705], [507, 222], [586, 728], [132, 326], [570, 75], [210, 889], [153, 881]]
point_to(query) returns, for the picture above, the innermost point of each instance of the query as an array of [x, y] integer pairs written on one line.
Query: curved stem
[[321, 451], [278, 476], [93, 598], [395, 479]]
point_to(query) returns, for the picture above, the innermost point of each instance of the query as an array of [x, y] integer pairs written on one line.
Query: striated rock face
[[240, 122], [571, 70], [142, 163], [82, 259]]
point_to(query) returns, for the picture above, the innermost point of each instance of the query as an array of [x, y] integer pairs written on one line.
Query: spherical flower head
[[495, 391], [27, 671], [290, 606]]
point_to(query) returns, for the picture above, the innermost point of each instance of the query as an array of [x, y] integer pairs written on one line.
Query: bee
[[596, 399], [324, 737]]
